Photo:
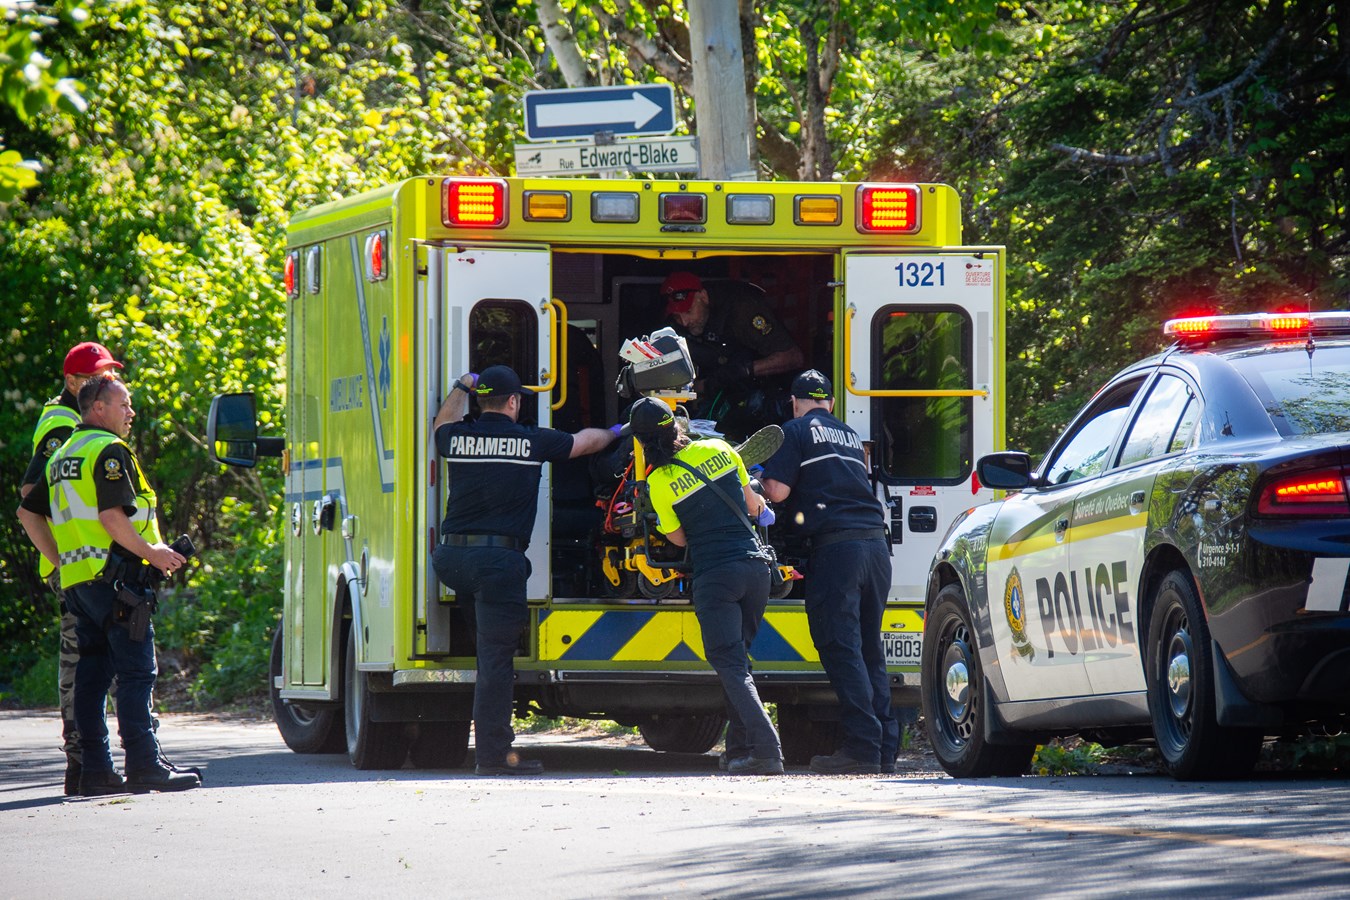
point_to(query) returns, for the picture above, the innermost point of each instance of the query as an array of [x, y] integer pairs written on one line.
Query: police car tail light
[[1321, 492], [474, 203], [888, 208]]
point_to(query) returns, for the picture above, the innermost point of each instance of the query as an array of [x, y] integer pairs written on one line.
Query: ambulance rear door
[[483, 307], [922, 380]]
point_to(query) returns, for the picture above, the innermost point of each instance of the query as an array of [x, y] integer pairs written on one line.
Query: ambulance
[[394, 293]]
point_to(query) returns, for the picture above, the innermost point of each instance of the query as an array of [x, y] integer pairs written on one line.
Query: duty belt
[[853, 534], [483, 540]]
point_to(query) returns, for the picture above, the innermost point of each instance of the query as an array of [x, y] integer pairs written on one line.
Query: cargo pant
[[65, 687]]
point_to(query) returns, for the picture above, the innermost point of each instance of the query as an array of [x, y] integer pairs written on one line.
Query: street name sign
[[634, 109], [671, 154]]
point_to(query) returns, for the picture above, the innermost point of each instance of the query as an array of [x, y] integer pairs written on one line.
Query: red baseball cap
[[679, 289], [88, 358]]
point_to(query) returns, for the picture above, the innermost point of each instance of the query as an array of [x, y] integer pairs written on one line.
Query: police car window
[[925, 440], [1085, 454], [1153, 431], [1304, 394]]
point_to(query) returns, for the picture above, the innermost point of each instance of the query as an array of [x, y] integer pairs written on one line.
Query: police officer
[[104, 527], [59, 417], [822, 466], [495, 464], [730, 577], [738, 347]]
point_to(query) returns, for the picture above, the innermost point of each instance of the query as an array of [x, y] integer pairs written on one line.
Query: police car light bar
[[1256, 325]]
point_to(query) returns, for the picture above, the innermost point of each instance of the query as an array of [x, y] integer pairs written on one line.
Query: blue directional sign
[[642, 109]]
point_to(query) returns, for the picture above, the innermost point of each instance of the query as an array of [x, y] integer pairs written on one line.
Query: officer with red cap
[[741, 350], [60, 415]]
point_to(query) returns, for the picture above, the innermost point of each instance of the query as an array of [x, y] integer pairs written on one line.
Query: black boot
[[160, 777], [73, 769], [101, 783]]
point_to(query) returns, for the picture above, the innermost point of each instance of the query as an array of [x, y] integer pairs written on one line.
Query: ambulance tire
[[1180, 678], [683, 734], [439, 745], [953, 693], [370, 744], [803, 737], [304, 728]]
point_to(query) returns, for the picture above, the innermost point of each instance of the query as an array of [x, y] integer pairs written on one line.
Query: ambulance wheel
[[953, 692], [440, 745], [803, 736], [370, 744], [1181, 696], [683, 734], [625, 589], [304, 728]]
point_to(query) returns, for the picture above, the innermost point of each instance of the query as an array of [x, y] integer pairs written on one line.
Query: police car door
[[922, 380], [487, 307]]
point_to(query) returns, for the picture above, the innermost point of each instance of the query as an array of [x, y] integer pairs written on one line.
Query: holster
[[135, 606]]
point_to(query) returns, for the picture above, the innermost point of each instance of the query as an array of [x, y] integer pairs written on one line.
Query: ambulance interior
[[610, 298]]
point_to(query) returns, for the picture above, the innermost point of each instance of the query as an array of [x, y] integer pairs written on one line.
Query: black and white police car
[[1175, 567]]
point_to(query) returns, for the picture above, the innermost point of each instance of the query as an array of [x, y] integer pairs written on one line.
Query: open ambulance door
[[482, 307], [922, 379]]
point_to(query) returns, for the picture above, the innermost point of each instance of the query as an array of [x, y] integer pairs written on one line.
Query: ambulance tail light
[[291, 274], [377, 256], [749, 209], [1316, 493], [891, 209], [816, 210], [688, 209], [473, 203]]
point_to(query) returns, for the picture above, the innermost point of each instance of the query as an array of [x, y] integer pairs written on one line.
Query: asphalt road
[[617, 820]]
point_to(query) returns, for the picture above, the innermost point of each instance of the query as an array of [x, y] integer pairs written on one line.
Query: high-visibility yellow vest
[[54, 415], [81, 540]]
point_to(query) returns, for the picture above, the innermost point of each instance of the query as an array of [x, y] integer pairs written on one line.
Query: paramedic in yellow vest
[[59, 417], [98, 510]]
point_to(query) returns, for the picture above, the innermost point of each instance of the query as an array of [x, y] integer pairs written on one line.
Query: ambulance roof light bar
[[1209, 328]]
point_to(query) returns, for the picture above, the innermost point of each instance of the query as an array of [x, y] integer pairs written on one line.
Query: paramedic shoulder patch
[[761, 324]]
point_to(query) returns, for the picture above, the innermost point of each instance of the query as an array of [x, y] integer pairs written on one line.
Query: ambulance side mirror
[[232, 431], [1008, 471]]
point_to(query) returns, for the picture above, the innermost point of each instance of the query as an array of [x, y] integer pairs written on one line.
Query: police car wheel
[[370, 744], [953, 692], [1181, 697], [304, 728]]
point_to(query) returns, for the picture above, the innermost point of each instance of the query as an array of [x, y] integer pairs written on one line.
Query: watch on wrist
[[459, 386]]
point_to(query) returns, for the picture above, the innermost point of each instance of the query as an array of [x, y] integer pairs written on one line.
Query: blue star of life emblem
[[386, 374]]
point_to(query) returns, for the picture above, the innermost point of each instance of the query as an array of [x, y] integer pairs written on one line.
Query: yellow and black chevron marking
[[643, 635]]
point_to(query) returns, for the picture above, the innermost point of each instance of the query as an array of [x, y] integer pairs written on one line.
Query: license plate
[[903, 648]]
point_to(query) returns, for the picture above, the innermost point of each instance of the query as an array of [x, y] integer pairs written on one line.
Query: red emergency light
[[377, 256], [474, 203], [888, 208], [290, 274]]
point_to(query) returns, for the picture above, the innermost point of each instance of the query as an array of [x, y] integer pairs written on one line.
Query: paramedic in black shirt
[[822, 467], [495, 465]]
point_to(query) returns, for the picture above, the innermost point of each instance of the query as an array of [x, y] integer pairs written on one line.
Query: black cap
[[812, 385], [498, 381], [648, 417]]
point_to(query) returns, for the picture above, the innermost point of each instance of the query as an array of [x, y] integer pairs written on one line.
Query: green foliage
[[1067, 758], [37, 686]]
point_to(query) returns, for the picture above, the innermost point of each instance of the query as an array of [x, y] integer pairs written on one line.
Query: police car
[[1175, 568]]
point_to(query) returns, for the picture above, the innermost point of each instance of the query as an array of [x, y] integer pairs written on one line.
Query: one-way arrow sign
[[641, 109]]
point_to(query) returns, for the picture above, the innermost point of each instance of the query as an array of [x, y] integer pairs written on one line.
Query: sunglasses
[[103, 382]]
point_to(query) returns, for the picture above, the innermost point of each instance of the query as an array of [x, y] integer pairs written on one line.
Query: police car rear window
[[1303, 393]]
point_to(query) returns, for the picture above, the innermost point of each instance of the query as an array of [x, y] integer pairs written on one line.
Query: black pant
[[489, 583], [729, 602], [845, 600]]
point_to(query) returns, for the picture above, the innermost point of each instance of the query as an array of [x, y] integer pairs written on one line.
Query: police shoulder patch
[[761, 324], [112, 469], [52, 445]]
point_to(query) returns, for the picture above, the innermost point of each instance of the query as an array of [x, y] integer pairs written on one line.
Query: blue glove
[[615, 429], [766, 516]]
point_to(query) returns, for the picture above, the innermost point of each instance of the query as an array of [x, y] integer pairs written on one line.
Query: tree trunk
[[720, 103], [563, 43]]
